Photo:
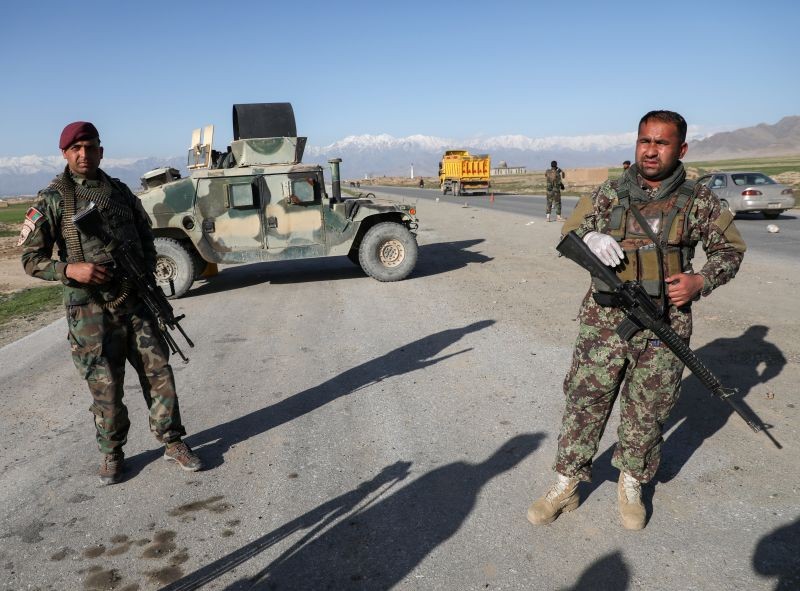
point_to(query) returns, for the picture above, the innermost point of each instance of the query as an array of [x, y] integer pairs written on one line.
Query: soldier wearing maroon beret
[[107, 321]]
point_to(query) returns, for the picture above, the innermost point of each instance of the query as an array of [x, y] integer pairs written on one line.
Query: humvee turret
[[258, 202]]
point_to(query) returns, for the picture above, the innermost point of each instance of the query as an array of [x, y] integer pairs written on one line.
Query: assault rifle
[[90, 221], [642, 313]]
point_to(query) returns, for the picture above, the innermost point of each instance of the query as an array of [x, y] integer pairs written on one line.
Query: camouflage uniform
[[642, 372], [553, 177], [103, 336]]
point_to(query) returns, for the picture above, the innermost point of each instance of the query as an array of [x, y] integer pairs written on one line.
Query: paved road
[[785, 244], [361, 435]]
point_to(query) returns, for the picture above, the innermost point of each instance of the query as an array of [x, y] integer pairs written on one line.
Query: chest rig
[[82, 248], [654, 237]]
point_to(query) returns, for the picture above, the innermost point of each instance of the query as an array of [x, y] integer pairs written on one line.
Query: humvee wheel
[[175, 268], [388, 252]]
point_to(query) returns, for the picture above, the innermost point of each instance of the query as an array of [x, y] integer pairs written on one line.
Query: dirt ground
[[13, 278]]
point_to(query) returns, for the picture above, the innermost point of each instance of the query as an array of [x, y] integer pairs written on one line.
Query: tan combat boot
[[111, 468], [562, 497], [631, 508]]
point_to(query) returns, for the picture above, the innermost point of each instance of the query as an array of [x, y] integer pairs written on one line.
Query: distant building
[[503, 168]]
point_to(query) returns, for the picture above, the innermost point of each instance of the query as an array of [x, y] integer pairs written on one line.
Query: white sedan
[[749, 191]]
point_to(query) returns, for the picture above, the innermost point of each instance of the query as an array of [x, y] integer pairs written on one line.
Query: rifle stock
[[642, 313]]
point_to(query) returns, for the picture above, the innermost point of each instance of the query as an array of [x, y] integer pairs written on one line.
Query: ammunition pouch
[[666, 222]]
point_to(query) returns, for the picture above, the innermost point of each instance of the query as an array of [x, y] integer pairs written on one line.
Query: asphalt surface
[[753, 226], [360, 435]]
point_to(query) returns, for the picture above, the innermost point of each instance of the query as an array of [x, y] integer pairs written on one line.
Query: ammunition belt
[[69, 191]]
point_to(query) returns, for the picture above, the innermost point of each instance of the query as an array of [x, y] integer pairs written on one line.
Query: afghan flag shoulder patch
[[34, 215]]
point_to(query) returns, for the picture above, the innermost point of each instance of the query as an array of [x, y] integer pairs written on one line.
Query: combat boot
[[111, 467], [631, 508], [547, 217], [562, 497], [178, 451]]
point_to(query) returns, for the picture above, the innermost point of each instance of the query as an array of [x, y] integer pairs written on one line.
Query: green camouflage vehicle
[[258, 202]]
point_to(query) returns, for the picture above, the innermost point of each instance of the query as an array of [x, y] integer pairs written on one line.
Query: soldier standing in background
[[107, 321], [626, 164], [651, 208], [553, 177]]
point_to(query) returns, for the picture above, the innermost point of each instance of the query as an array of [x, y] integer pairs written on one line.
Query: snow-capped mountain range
[[377, 155]]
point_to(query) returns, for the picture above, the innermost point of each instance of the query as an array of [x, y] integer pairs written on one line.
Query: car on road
[[744, 191]]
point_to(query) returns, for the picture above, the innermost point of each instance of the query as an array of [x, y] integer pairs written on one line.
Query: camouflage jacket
[[553, 177], [42, 232], [707, 224]]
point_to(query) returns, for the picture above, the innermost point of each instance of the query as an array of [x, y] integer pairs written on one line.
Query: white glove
[[605, 247]]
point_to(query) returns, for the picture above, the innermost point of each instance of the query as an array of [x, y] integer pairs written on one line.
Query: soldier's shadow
[[743, 363], [215, 441]]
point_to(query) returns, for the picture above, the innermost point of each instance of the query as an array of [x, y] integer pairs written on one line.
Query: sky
[[148, 73]]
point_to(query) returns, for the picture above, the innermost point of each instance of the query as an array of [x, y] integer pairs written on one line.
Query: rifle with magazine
[[90, 221], [642, 313]]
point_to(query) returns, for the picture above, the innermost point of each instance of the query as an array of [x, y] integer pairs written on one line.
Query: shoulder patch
[[27, 227], [34, 215]]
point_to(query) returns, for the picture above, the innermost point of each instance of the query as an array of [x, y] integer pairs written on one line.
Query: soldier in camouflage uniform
[[107, 322], [553, 177], [642, 372]]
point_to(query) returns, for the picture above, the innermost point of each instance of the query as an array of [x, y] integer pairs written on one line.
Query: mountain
[[25, 175], [377, 155], [780, 139]]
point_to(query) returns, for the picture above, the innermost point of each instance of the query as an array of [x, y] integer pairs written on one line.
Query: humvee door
[[229, 208], [294, 213]]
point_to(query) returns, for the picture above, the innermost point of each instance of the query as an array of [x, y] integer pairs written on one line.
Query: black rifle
[[641, 313], [91, 222]]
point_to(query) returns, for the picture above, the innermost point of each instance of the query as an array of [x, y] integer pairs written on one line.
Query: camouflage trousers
[[553, 198], [102, 341], [644, 374]]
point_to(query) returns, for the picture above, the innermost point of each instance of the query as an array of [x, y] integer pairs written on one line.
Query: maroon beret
[[76, 131]]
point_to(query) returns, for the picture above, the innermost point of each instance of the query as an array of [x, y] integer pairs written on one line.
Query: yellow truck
[[462, 173]]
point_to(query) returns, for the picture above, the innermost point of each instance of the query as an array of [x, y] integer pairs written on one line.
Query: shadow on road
[[743, 363], [432, 259], [416, 355], [609, 573], [778, 555], [367, 539], [443, 257]]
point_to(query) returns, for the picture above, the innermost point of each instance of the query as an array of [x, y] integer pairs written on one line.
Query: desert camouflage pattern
[[102, 340], [268, 206], [553, 177], [643, 373]]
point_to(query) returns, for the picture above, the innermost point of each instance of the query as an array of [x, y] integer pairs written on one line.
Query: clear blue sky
[[147, 73]]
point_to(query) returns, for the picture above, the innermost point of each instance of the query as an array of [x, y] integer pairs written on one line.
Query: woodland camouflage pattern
[[102, 340], [651, 372], [553, 177]]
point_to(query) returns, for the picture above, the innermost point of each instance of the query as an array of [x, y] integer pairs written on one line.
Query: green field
[[14, 213], [769, 166], [29, 302]]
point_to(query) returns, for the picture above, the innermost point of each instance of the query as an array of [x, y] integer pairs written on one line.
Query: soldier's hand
[[88, 273], [605, 248], [682, 288]]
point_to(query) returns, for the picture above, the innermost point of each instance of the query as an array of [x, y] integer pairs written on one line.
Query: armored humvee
[[258, 202]]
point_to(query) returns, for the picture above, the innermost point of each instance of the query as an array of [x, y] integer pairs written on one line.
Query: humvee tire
[[388, 252], [175, 267]]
